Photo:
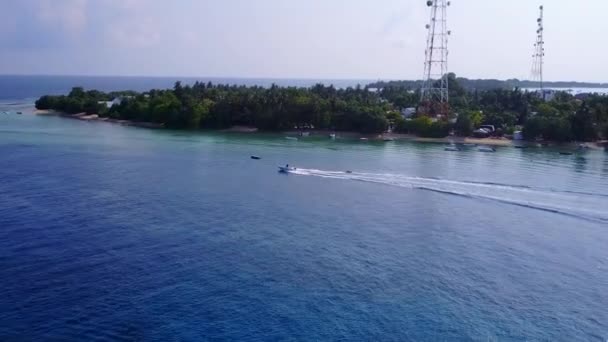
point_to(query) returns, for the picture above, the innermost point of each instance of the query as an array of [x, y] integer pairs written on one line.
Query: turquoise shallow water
[[117, 233]]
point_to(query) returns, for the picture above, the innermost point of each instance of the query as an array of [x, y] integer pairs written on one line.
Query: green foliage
[[583, 127], [476, 117], [464, 126], [352, 109], [78, 101], [546, 110], [220, 106], [425, 127], [556, 129]]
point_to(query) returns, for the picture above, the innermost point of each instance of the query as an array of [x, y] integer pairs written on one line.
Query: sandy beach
[[348, 135]]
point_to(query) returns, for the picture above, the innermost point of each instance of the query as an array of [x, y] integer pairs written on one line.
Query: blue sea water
[[119, 233], [31, 87]]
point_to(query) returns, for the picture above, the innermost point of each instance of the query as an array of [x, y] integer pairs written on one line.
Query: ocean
[[32, 87], [126, 234]]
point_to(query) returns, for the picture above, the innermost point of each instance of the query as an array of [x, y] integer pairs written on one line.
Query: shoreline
[[96, 118], [495, 142]]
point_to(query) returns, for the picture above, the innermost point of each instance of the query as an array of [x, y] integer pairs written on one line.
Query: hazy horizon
[[315, 39], [190, 77]]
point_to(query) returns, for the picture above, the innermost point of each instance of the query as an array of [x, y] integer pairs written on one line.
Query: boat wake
[[582, 205]]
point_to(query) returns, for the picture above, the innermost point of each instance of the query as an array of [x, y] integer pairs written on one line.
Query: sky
[[321, 39]]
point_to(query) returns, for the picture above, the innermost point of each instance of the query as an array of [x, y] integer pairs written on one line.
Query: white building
[[408, 112]]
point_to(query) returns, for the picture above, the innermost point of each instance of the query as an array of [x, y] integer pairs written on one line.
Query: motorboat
[[486, 149], [332, 136], [291, 138], [566, 153], [304, 134], [286, 169], [256, 157], [364, 139]]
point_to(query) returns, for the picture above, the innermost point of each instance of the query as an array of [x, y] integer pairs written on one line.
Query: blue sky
[[360, 39]]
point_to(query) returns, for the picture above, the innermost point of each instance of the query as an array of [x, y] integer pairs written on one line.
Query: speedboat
[[486, 149], [332, 136], [286, 169], [292, 138]]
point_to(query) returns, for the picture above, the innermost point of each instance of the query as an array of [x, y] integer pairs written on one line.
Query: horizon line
[[177, 77]]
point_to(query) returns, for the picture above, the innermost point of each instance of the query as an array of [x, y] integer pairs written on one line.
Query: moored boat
[[486, 149]]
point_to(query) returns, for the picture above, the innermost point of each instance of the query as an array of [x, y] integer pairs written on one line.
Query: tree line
[[360, 109], [563, 118], [220, 106]]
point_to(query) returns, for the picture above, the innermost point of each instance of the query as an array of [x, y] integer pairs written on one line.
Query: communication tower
[[539, 52], [434, 94]]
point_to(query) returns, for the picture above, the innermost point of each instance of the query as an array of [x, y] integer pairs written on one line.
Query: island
[[371, 109]]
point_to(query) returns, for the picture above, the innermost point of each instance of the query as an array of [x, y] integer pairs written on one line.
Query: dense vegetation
[[220, 106], [564, 118], [201, 105]]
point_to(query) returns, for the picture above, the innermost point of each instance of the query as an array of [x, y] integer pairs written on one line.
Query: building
[[408, 112]]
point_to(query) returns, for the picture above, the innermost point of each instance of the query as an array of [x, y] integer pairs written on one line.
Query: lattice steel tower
[[434, 95], [539, 52]]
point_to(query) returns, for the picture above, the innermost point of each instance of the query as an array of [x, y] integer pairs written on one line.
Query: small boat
[[486, 149], [304, 134], [291, 138], [19, 113], [364, 139], [332, 136], [583, 147], [520, 146], [388, 139], [452, 148], [566, 153], [349, 171], [256, 157], [286, 169]]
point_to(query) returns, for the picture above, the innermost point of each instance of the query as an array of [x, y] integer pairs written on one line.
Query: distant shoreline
[[97, 118], [498, 142]]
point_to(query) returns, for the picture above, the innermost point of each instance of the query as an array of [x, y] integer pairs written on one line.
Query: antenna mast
[[539, 52], [434, 94]]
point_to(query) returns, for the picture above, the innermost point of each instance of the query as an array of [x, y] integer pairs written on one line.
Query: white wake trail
[[582, 205]]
